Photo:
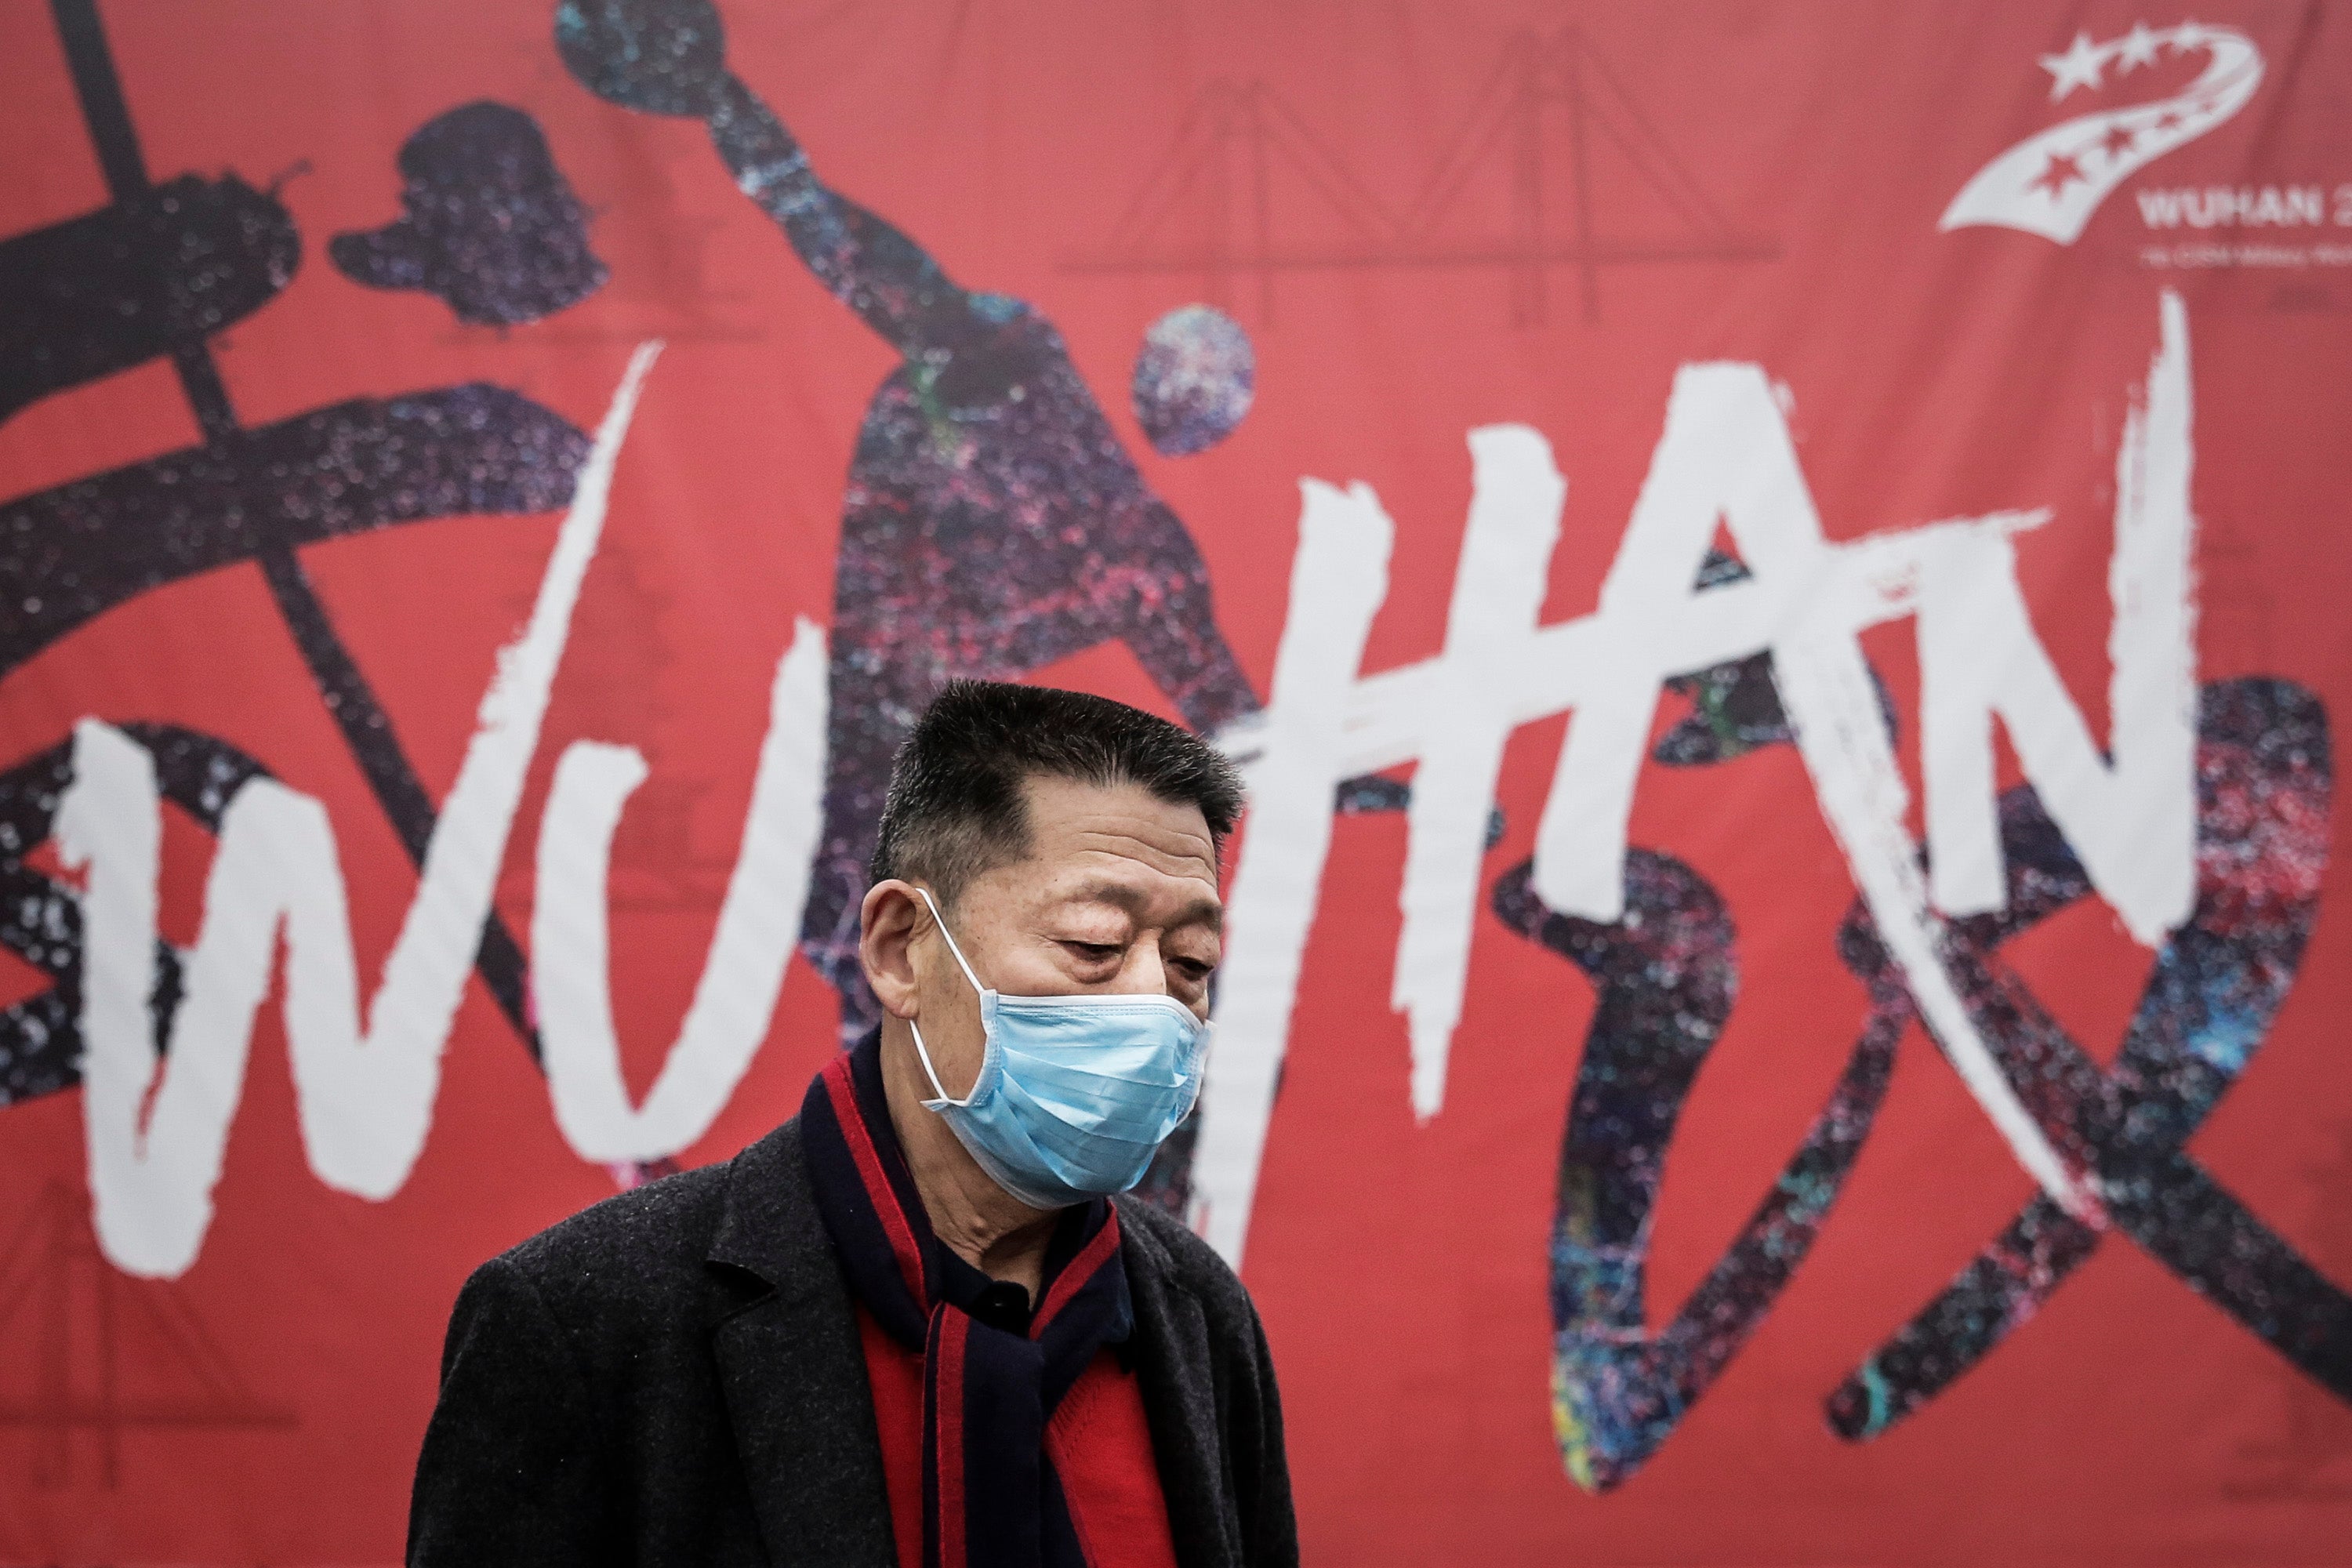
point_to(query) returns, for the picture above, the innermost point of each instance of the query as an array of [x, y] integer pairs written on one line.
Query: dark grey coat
[[675, 1377]]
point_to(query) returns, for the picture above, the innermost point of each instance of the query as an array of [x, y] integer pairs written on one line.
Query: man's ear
[[888, 922]]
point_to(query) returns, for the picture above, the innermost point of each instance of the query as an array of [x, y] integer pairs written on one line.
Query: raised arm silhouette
[[993, 523]]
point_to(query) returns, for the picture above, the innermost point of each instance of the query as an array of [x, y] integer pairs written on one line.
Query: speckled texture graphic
[[71, 554], [992, 522], [491, 227], [76, 550], [1735, 708], [657, 57], [1194, 379], [2265, 776], [152, 275], [115, 288], [40, 917], [1667, 977]]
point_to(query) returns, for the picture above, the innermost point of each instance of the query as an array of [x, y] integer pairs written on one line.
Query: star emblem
[[2051, 182], [2078, 66], [2063, 171]]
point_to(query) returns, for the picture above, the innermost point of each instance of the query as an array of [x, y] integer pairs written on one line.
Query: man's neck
[[974, 1218]]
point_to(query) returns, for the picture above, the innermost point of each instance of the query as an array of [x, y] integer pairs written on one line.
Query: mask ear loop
[[968, 974], [917, 1029]]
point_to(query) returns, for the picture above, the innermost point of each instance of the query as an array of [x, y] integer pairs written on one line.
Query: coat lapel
[[791, 1368], [1172, 1364]]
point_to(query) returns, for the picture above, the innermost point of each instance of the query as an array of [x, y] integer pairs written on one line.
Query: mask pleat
[[1075, 1093]]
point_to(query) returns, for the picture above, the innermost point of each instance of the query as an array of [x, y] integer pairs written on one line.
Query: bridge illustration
[[1208, 207], [107, 1354]]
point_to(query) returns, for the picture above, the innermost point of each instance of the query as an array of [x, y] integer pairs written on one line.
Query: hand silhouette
[[658, 57]]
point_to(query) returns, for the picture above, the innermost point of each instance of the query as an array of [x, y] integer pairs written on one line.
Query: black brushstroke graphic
[[134, 281], [40, 917], [154, 274], [993, 523], [2264, 782], [76, 550], [1668, 975], [657, 56], [491, 225], [1735, 707], [1666, 979]]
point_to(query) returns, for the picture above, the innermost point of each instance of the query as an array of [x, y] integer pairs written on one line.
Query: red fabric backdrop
[[1759, 181]]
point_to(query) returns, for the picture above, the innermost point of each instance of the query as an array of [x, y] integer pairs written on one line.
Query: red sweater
[[1098, 1439]]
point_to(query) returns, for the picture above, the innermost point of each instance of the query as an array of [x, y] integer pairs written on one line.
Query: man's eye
[[1094, 951]]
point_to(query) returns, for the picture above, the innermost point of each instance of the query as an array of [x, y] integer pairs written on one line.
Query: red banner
[[1765, 564]]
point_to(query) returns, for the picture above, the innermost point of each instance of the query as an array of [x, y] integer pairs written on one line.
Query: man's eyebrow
[[1202, 911]]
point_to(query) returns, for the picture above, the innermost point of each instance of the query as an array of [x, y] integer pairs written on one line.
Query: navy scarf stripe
[[878, 1223], [991, 1499]]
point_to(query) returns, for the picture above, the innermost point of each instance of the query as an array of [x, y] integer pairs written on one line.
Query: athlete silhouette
[[992, 522]]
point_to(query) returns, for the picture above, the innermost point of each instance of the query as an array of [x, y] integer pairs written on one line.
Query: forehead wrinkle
[[1182, 855], [1206, 911], [1122, 819]]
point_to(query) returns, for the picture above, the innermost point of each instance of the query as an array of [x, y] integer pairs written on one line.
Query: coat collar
[[791, 1367], [1172, 1358]]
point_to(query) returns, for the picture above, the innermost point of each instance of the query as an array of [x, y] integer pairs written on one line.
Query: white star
[[2078, 66], [2139, 47]]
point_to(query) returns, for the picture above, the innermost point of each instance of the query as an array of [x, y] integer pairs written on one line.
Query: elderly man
[[916, 1324]]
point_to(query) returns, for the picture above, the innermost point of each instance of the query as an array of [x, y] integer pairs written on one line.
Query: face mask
[[1074, 1092]]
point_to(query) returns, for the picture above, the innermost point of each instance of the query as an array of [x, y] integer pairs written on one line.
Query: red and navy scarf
[[991, 1499]]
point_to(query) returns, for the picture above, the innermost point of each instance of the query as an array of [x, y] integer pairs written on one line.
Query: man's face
[[1117, 897]]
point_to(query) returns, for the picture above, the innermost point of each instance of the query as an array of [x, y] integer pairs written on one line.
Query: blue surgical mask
[[1074, 1092]]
